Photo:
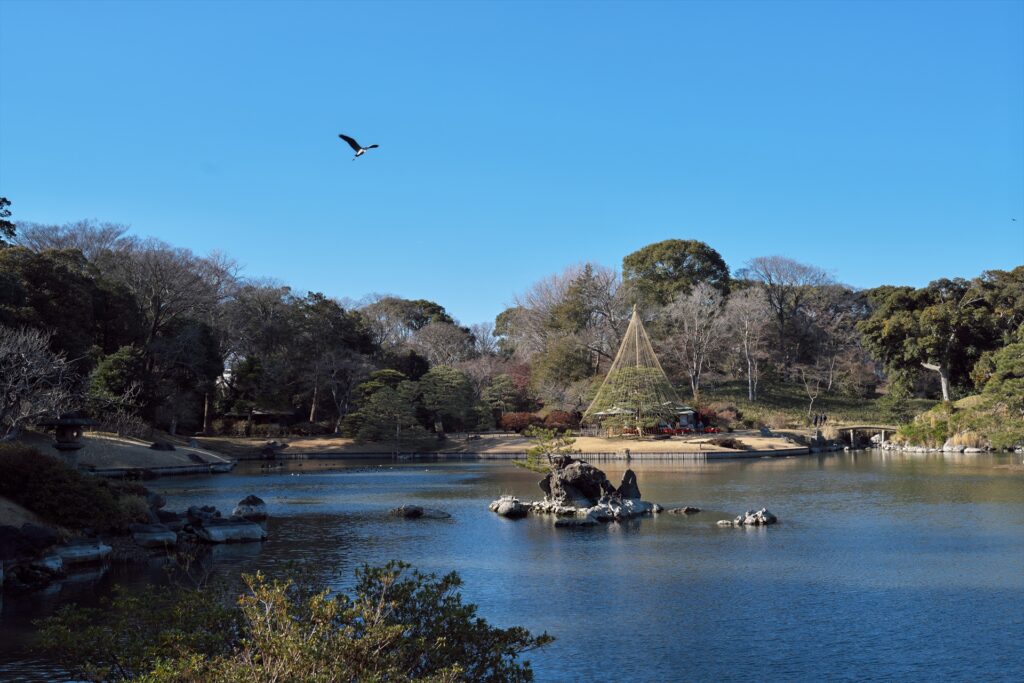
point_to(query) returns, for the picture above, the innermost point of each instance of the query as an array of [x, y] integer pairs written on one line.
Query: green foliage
[[61, 495], [502, 394], [659, 272], [547, 443], [447, 395], [563, 362], [398, 625], [389, 416], [128, 634], [115, 374], [6, 226], [949, 323]]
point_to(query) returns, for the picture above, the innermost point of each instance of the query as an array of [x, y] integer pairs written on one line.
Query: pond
[[884, 565]]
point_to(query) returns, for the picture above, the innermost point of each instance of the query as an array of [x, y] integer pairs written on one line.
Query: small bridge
[[868, 431]]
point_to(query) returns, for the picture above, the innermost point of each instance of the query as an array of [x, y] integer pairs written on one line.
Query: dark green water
[[883, 567]]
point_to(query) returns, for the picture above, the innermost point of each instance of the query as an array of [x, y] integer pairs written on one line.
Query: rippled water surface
[[883, 566]]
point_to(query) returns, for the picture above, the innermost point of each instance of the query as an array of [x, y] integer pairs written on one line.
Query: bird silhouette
[[359, 149]]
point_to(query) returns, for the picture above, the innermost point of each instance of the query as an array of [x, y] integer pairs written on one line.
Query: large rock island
[[581, 494]]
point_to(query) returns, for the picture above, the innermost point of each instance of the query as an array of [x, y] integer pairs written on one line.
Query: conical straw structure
[[636, 389]]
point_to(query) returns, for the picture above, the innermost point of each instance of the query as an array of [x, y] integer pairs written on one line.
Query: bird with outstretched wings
[[356, 147]]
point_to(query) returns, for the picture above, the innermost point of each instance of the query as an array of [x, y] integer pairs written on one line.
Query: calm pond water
[[884, 566]]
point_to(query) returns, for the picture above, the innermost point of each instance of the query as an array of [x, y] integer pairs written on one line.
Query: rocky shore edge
[[33, 556]]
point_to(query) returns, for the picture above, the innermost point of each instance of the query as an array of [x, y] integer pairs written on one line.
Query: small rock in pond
[[252, 508], [417, 512]]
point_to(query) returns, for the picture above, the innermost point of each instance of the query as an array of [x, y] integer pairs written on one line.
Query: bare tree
[[484, 341], [34, 381], [89, 237], [787, 284], [442, 343], [585, 303], [697, 329], [747, 318], [170, 283]]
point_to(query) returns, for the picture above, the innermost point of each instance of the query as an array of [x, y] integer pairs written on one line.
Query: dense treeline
[[155, 334]]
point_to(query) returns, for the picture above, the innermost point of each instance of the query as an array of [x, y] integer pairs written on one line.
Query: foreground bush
[[399, 625], [64, 496]]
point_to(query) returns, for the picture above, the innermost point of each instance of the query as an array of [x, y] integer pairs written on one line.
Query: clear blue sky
[[882, 141]]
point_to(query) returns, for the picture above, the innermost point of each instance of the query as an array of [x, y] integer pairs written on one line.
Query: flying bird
[[359, 149]]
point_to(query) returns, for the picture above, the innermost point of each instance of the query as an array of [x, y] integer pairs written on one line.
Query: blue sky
[[881, 141]]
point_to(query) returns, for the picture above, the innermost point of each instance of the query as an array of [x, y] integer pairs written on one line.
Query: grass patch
[[781, 406]]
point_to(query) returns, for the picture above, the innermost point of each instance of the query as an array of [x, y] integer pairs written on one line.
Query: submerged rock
[[153, 536], [84, 552], [685, 510], [575, 522], [252, 508], [417, 512], [230, 531]]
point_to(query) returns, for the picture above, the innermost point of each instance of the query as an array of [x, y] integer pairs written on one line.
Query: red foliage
[[560, 419], [517, 422]]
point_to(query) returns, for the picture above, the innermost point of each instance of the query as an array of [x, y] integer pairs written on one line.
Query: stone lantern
[[68, 431]]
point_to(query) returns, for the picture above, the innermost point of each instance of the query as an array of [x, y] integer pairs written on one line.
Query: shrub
[[61, 494], [729, 442], [311, 429], [724, 415], [561, 420], [776, 420], [517, 422], [227, 427], [397, 626], [267, 430]]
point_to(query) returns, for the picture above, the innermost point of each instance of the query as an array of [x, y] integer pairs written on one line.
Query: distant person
[[816, 420]]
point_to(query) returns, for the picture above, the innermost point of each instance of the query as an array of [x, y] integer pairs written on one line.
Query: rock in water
[[85, 551], [575, 482], [251, 508], [153, 536], [417, 512], [759, 518], [509, 506], [685, 510], [230, 531], [628, 488]]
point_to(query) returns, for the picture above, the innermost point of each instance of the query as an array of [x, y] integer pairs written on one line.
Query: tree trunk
[[206, 413], [312, 408], [943, 377], [750, 380]]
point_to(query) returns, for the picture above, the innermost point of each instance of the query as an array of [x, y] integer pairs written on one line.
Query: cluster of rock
[[34, 556], [580, 495], [751, 518], [946, 448]]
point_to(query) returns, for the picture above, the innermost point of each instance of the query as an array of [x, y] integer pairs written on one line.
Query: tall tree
[[787, 285], [660, 272], [6, 226], [696, 331], [447, 395], [747, 319], [943, 327]]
